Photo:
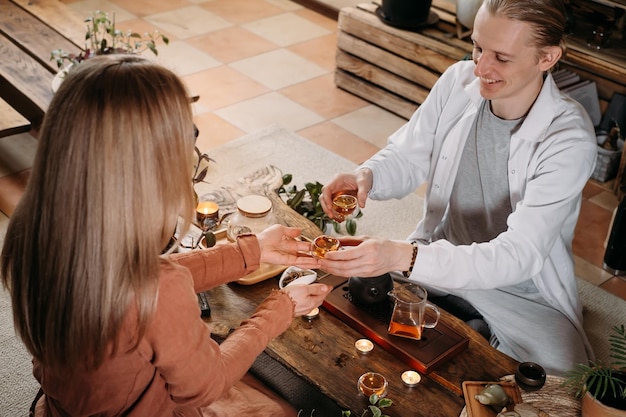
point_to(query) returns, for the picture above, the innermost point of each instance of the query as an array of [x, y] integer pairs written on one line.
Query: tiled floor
[[257, 62]]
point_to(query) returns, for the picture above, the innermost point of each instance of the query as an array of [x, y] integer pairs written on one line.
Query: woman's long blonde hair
[[111, 175]]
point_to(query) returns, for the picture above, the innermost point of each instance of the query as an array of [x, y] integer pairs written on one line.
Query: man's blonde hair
[[547, 18]]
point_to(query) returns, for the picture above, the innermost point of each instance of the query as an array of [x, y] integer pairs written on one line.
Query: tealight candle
[[207, 210], [411, 378], [364, 346], [312, 314]]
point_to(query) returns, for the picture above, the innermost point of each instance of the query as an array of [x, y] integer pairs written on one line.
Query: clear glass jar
[[253, 215]]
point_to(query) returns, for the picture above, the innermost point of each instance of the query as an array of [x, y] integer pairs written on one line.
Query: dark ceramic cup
[[530, 376]]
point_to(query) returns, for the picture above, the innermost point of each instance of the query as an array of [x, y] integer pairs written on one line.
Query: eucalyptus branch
[[306, 202]]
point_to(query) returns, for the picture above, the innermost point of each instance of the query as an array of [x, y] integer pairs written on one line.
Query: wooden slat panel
[[58, 16], [31, 35], [365, 25], [608, 70], [394, 63], [378, 76], [375, 94], [25, 83], [11, 121]]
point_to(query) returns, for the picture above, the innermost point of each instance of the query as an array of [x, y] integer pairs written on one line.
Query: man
[[505, 156]]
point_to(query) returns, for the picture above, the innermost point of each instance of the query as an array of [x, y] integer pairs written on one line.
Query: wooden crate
[[390, 67], [396, 69]]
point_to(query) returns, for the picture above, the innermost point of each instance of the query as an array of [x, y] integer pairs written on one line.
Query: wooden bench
[[11, 121], [29, 31]]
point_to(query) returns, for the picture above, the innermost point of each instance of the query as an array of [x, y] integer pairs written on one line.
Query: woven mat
[[551, 398]]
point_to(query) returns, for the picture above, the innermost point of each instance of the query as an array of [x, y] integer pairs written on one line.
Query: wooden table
[[322, 350]]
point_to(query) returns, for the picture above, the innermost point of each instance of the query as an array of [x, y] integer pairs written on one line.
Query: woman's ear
[[550, 55]]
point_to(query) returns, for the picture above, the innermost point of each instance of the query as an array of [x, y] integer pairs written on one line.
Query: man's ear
[[550, 55]]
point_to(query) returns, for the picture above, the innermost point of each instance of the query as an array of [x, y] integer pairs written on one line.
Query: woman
[[114, 326], [505, 155]]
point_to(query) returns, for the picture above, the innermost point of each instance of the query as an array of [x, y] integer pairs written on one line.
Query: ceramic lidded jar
[[253, 215], [466, 12]]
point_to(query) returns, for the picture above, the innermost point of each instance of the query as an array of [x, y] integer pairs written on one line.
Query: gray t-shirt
[[480, 201]]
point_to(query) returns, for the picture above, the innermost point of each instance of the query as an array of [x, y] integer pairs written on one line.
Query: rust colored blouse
[[177, 370]]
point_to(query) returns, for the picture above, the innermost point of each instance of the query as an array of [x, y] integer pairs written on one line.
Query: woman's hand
[[368, 257], [357, 183], [280, 246], [307, 297]]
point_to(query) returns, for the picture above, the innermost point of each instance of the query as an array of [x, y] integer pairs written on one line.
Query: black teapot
[[370, 290]]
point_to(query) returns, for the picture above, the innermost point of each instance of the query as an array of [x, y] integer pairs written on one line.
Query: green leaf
[[385, 402], [296, 200], [351, 227], [287, 179], [373, 399], [209, 239], [375, 411], [201, 175]]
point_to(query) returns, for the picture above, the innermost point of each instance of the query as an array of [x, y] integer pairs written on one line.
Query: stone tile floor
[[257, 62]]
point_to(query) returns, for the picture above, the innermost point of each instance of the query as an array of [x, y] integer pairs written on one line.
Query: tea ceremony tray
[[437, 346]]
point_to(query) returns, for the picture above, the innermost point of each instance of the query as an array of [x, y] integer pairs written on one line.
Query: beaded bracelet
[[408, 272]]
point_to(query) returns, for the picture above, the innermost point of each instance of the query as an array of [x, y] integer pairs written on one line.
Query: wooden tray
[[437, 346], [475, 409]]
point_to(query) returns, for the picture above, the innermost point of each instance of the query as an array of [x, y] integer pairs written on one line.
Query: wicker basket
[[607, 164]]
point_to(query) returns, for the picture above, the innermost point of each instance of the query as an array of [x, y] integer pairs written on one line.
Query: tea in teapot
[[409, 311]]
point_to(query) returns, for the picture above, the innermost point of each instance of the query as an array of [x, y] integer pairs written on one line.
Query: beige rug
[[307, 162]]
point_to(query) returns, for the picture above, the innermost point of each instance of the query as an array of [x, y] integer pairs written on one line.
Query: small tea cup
[[372, 383], [296, 276], [530, 376], [323, 244]]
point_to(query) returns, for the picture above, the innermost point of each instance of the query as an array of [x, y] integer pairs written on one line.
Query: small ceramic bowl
[[530, 376], [297, 276]]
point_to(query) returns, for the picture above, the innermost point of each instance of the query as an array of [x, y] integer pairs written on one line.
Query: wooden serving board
[[264, 181], [437, 346], [475, 409]]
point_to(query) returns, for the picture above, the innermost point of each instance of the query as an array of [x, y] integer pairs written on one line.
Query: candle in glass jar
[[364, 346], [207, 210], [312, 314], [411, 378]]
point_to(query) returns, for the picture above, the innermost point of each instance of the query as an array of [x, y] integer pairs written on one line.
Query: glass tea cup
[[344, 206], [408, 318], [324, 244], [372, 383]]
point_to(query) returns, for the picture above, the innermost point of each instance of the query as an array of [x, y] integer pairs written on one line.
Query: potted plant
[[602, 386], [103, 38]]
